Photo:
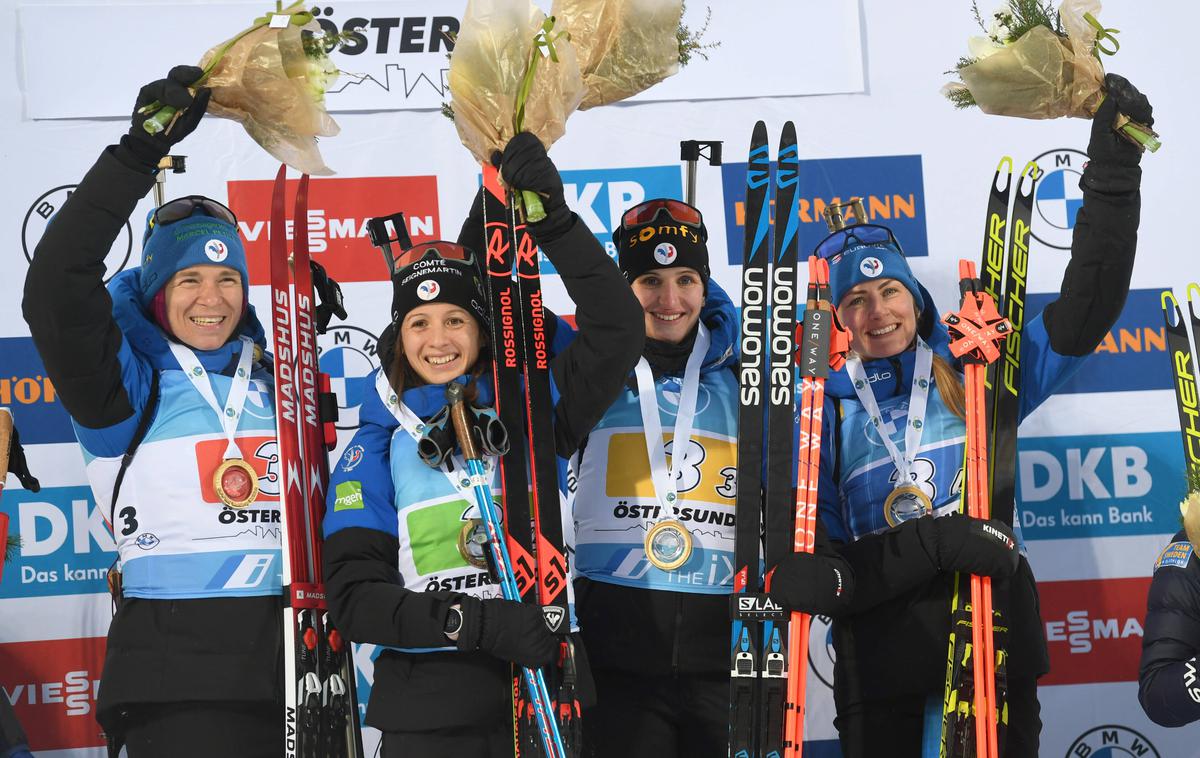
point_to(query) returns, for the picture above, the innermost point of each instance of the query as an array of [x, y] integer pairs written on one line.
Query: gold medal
[[472, 543], [236, 483], [668, 545], [908, 501]]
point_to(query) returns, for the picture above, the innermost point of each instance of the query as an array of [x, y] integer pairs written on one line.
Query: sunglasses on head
[[437, 249], [832, 247], [185, 207], [646, 212]]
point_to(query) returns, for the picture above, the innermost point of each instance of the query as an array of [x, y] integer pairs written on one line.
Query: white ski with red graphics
[[321, 712]]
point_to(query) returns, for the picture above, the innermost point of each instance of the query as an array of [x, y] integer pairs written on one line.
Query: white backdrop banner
[[395, 58]]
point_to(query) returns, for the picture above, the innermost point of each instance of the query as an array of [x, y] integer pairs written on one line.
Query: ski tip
[[760, 131], [788, 134], [1192, 287], [1171, 308], [1034, 172], [1005, 164], [282, 172]]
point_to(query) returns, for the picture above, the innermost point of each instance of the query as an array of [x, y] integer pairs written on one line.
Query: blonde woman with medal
[[654, 510], [171, 355], [404, 549], [893, 453]]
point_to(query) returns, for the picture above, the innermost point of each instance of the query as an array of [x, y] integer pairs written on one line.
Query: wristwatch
[[454, 622]]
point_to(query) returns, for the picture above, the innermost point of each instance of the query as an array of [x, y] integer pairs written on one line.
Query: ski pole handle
[[458, 416]]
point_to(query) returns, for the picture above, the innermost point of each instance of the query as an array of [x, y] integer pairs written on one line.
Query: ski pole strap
[[138, 435]]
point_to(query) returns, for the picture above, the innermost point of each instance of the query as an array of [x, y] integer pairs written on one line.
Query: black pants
[[639, 716], [203, 730], [894, 727], [459, 742]]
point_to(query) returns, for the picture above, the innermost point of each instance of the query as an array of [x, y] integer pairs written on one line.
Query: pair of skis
[[768, 655], [992, 430], [321, 716], [543, 725]]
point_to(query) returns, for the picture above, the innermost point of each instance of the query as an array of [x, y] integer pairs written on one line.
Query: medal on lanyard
[[472, 537], [668, 542], [907, 500], [235, 480]]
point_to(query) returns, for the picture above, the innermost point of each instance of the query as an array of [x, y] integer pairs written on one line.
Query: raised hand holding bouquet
[[271, 78], [1040, 63], [499, 87]]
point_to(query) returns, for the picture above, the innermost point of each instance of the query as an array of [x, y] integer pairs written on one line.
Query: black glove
[[509, 630], [1106, 146], [811, 583], [525, 166], [970, 545], [142, 149], [329, 293]]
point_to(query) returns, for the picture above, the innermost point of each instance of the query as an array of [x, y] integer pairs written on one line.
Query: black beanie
[[434, 279], [661, 243]]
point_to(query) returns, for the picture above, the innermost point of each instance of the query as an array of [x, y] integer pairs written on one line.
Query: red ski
[[975, 332]]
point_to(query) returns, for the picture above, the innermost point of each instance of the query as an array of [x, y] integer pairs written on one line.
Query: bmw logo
[[1058, 198], [146, 541], [349, 355], [1112, 741]]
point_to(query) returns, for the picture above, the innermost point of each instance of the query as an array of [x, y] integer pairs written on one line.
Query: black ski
[[1184, 377], [780, 498], [746, 632], [507, 341]]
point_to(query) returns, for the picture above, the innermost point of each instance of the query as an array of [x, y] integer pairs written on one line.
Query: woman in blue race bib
[[404, 566], [655, 551], [893, 453], [170, 355]]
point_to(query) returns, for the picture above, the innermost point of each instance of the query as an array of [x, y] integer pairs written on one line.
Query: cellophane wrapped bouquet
[[1036, 62], [271, 78], [623, 46]]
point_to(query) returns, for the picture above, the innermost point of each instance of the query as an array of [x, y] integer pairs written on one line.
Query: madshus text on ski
[[530, 519]]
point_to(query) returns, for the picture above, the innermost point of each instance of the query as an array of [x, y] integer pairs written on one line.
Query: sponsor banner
[[1093, 629], [66, 548], [338, 210], [892, 188], [1100, 485], [395, 57], [53, 686], [1132, 356], [41, 212], [27, 391]]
